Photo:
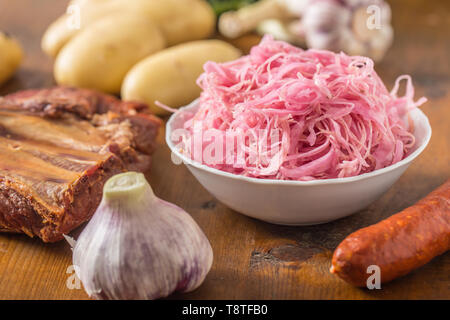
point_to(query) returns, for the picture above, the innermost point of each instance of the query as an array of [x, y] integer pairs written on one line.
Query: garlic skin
[[138, 246]]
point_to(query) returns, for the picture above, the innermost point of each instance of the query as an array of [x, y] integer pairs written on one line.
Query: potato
[[63, 29], [10, 57], [182, 21], [56, 36], [101, 55], [170, 75], [179, 20]]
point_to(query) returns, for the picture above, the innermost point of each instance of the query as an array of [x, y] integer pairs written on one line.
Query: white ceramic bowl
[[298, 202]]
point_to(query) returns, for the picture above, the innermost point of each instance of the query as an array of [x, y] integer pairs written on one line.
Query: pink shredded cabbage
[[293, 114]]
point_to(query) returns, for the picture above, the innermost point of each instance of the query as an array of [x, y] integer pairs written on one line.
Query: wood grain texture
[[253, 259]]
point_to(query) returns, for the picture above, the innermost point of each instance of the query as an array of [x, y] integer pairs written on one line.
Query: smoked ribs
[[58, 147]]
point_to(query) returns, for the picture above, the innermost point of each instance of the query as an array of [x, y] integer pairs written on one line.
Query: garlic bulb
[[137, 246], [357, 27], [346, 26]]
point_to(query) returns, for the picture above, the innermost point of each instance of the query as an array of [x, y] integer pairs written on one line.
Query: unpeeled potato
[[100, 56], [178, 20], [169, 76], [84, 12], [10, 57]]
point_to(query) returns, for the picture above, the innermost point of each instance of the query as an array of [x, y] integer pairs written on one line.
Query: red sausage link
[[398, 244]]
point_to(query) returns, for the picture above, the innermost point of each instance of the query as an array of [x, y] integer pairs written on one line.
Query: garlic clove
[[137, 246], [381, 43]]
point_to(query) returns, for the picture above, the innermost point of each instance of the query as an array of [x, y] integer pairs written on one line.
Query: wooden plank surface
[[253, 259]]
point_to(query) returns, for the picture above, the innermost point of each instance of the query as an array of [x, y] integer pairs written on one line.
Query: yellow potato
[[101, 55], [170, 75], [56, 36], [84, 12], [10, 57], [179, 20]]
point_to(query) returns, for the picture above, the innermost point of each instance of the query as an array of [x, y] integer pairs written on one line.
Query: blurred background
[[413, 39], [420, 45]]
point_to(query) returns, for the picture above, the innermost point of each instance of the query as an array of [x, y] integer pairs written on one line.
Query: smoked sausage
[[398, 244]]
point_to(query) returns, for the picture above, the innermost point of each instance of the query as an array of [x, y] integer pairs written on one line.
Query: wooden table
[[256, 260]]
